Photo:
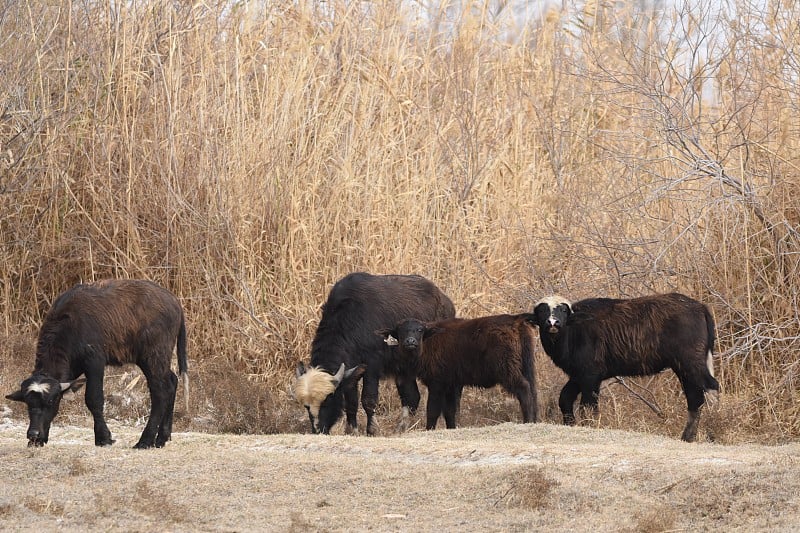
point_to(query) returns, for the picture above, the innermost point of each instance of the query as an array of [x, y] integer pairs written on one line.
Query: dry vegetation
[[248, 154], [507, 477]]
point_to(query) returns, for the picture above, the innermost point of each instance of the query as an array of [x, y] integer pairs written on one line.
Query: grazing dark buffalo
[[600, 338], [346, 348], [481, 352], [111, 322]]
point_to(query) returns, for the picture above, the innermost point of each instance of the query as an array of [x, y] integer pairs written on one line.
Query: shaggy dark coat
[[357, 305], [111, 322], [600, 338], [482, 352]]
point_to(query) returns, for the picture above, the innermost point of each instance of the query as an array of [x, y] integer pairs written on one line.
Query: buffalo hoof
[[104, 442], [144, 445]]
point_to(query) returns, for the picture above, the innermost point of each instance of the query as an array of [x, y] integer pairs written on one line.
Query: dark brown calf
[[112, 322], [600, 338], [480, 352]]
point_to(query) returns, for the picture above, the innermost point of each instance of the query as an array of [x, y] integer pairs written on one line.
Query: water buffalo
[[481, 352], [599, 338], [110, 322], [345, 347]]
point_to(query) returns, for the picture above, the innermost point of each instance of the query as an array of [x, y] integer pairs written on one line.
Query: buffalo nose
[[33, 434], [410, 342]]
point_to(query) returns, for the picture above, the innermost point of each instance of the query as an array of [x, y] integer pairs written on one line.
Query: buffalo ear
[[17, 396], [73, 386], [347, 377], [538, 308], [354, 374], [431, 331], [389, 336]]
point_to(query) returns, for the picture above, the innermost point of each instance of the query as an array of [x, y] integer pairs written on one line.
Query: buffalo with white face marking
[[345, 347], [481, 352], [111, 322], [599, 338]]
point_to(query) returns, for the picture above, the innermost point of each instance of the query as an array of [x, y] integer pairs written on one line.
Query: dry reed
[[246, 155]]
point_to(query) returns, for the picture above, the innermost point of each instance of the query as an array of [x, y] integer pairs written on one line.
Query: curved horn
[[338, 377]]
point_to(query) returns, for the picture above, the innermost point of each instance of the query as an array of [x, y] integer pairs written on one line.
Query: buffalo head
[[42, 394]]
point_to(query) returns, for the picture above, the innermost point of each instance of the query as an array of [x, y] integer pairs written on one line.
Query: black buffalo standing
[[110, 322], [599, 338], [345, 347]]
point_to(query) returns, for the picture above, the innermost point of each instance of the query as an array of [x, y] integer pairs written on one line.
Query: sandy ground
[[510, 477]]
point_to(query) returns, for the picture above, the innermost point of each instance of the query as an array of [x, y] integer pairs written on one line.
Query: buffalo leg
[[94, 402], [436, 399], [160, 393], [695, 398], [408, 391], [566, 401], [457, 399], [452, 401], [369, 400], [165, 428], [527, 402], [351, 408], [590, 394]]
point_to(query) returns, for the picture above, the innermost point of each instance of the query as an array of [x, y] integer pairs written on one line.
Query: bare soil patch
[[510, 477]]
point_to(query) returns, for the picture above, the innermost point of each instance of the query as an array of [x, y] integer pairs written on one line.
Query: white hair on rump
[[710, 363]]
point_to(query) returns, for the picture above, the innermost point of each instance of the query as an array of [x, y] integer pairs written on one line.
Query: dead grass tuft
[[299, 524], [6, 509], [78, 467], [44, 506], [657, 520], [531, 488], [153, 501]]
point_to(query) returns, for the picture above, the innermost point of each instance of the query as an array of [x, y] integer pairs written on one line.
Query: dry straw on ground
[[507, 477], [248, 154]]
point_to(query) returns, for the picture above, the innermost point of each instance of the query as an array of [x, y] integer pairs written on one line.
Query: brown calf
[[91, 326], [480, 352]]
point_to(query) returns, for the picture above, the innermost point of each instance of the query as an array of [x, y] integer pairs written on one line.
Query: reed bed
[[247, 155]]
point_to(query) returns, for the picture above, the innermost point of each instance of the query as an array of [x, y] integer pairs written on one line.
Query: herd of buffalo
[[375, 327]]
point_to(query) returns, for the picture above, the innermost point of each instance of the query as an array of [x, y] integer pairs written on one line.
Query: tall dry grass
[[248, 154]]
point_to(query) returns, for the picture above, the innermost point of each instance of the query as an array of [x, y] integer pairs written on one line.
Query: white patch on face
[[42, 388], [405, 412], [553, 301]]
